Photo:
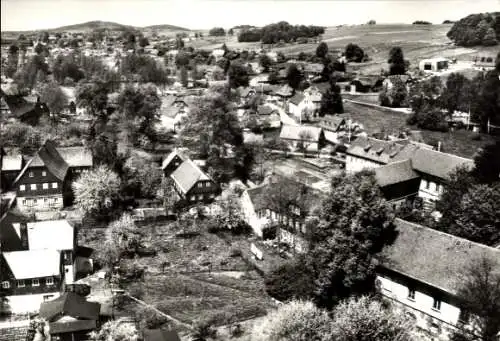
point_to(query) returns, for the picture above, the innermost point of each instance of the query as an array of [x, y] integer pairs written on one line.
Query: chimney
[[23, 230]]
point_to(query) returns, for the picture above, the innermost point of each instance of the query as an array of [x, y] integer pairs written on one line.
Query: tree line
[[476, 29], [281, 31]]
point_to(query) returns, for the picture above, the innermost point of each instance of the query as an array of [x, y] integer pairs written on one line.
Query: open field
[[460, 142], [417, 42]]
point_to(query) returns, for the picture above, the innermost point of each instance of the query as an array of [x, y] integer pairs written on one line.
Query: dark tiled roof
[[161, 335], [297, 98], [394, 173], [332, 122], [49, 157], [433, 257], [187, 175], [18, 105], [379, 151], [70, 304]]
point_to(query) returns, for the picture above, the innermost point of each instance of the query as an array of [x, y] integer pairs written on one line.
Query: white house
[[422, 271], [309, 138], [218, 54]]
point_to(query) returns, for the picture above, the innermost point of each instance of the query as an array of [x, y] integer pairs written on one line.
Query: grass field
[[460, 142], [417, 42]]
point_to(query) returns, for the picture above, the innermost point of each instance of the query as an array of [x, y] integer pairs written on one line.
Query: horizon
[[32, 15]]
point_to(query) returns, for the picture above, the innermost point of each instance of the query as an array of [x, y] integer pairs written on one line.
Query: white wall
[[355, 164], [43, 203], [422, 307], [429, 190], [250, 215], [22, 304]]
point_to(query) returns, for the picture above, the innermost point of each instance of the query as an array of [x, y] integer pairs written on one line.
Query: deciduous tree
[[397, 62], [322, 50]]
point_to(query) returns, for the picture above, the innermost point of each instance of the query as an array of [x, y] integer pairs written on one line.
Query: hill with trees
[[281, 31], [476, 29], [422, 22]]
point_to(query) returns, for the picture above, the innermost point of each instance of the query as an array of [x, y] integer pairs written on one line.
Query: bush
[[430, 120]]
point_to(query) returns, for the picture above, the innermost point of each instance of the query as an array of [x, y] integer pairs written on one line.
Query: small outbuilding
[[433, 64]]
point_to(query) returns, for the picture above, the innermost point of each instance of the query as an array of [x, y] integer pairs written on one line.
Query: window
[[31, 174], [20, 283], [200, 184], [425, 184], [34, 201], [22, 188], [45, 200], [5, 284], [56, 200], [35, 282], [45, 185], [436, 305], [411, 294], [54, 185], [200, 197], [25, 202], [33, 187], [49, 281], [464, 316], [193, 198], [44, 173], [212, 196]]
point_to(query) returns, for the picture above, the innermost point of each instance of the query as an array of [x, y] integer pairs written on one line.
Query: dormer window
[[31, 174], [44, 173]]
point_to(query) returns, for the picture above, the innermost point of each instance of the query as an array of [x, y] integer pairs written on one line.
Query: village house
[[290, 222], [192, 185], [433, 167], [368, 83], [421, 272], [70, 316], [27, 109], [268, 116], [27, 286], [314, 96], [173, 161], [46, 178], [218, 54], [313, 70], [307, 138], [433, 64]]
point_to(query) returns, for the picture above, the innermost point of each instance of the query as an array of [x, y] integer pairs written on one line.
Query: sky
[[204, 14]]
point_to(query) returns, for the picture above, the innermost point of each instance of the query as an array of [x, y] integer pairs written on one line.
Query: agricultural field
[[417, 42], [460, 142]]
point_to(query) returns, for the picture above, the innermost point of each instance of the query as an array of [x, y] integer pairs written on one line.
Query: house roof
[[9, 237], [290, 132], [41, 235], [76, 156], [379, 151], [49, 157], [433, 257], [285, 91], [171, 156], [332, 122], [265, 110], [187, 175], [436, 163], [297, 98], [19, 105], [43, 263], [72, 326], [70, 304], [161, 335], [395, 172], [256, 195]]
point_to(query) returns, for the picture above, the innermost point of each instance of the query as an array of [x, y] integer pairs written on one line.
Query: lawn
[[460, 142]]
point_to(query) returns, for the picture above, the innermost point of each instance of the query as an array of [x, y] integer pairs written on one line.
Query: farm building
[[433, 65]]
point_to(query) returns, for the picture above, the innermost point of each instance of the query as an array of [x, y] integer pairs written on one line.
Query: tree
[[203, 332], [480, 295], [184, 77], [365, 319], [306, 138], [143, 176], [454, 93], [230, 32], [294, 321], [291, 280], [143, 42], [322, 50], [372, 22], [52, 95], [124, 235], [488, 101], [115, 331], [94, 97], [265, 62], [331, 102], [97, 191], [217, 32], [487, 164], [396, 60], [238, 75], [355, 223], [395, 96], [354, 53], [294, 76]]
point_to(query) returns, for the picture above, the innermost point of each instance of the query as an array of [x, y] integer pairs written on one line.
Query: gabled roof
[[187, 175], [332, 122], [297, 98], [290, 132], [50, 234], [19, 105], [161, 335], [42, 263], [379, 151], [76, 156], [438, 164], [170, 157], [70, 304], [433, 257], [72, 326], [395, 172], [49, 157]]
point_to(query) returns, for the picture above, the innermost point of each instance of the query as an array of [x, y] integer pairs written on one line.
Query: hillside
[[92, 25], [166, 27]]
